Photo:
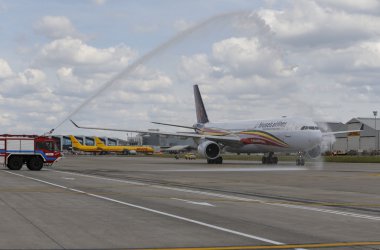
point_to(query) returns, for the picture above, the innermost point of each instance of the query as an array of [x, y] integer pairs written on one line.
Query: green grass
[[353, 159]]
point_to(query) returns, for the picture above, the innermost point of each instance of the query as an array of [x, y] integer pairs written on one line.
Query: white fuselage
[[272, 135]]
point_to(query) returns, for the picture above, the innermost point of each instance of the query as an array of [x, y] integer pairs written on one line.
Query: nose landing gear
[[300, 161], [269, 159]]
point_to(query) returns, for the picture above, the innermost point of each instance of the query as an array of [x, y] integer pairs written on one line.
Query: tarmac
[[115, 202]]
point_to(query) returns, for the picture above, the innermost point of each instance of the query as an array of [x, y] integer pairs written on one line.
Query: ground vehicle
[[190, 156], [32, 150]]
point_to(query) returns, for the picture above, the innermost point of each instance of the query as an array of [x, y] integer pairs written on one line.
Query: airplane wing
[[343, 132], [226, 140]]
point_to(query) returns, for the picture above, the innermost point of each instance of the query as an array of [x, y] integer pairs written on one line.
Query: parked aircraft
[[286, 134], [78, 146], [123, 149]]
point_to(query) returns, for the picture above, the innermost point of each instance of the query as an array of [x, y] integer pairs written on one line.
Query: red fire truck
[[32, 150]]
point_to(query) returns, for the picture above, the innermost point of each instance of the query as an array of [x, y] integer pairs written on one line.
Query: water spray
[[161, 48]]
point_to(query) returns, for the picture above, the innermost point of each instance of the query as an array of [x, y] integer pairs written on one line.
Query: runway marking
[[102, 178], [236, 198], [268, 169], [250, 236], [164, 187], [362, 216], [68, 178], [195, 202], [289, 246]]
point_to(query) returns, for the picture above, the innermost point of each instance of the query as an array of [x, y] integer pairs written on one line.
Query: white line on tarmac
[[269, 169], [163, 187], [201, 203], [236, 198], [155, 211]]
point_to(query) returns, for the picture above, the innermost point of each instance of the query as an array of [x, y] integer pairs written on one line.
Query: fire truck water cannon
[[33, 150]]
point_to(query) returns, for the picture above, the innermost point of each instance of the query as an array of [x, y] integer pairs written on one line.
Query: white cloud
[[196, 67], [368, 55], [5, 69], [24, 83], [56, 27], [307, 23], [352, 5], [144, 79], [70, 51], [70, 84], [237, 57]]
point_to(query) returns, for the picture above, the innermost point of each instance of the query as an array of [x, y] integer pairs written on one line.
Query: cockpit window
[[309, 128]]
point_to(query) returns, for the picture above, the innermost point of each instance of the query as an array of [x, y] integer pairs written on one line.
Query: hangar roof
[[370, 122], [333, 127]]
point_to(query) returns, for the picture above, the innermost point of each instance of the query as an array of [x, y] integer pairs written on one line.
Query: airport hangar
[[367, 141]]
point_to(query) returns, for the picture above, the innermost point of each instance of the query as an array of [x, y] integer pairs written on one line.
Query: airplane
[[123, 149], [285, 134], [85, 148]]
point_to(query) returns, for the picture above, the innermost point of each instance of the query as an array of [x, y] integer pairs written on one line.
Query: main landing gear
[[269, 159], [300, 161]]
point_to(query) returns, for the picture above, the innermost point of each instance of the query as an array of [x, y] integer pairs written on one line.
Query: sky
[[251, 60]]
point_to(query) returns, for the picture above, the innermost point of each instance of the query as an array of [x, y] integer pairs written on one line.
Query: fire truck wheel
[[35, 164], [15, 163]]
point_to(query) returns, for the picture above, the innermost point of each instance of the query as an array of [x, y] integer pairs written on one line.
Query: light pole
[[377, 134]]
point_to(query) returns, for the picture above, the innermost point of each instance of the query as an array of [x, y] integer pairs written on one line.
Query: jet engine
[[209, 149], [314, 152]]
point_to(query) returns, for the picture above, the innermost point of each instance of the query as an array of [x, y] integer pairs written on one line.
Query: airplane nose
[[316, 138]]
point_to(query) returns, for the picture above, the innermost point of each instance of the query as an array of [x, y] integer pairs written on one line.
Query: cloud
[[5, 69], [245, 56], [56, 27], [308, 58], [72, 85], [196, 67], [24, 83], [308, 23], [73, 51], [352, 5]]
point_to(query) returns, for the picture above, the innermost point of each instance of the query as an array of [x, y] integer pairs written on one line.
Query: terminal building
[[156, 141], [65, 144]]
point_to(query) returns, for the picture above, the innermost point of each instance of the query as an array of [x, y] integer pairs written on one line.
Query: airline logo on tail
[[78, 146], [99, 142], [75, 142]]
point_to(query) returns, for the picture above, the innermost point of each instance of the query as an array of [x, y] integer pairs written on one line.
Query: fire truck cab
[[32, 150]]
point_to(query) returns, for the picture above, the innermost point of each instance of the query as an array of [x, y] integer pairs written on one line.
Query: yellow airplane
[[78, 146], [122, 149]]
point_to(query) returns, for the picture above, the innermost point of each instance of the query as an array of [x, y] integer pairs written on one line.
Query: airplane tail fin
[[199, 106], [74, 141], [99, 142]]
